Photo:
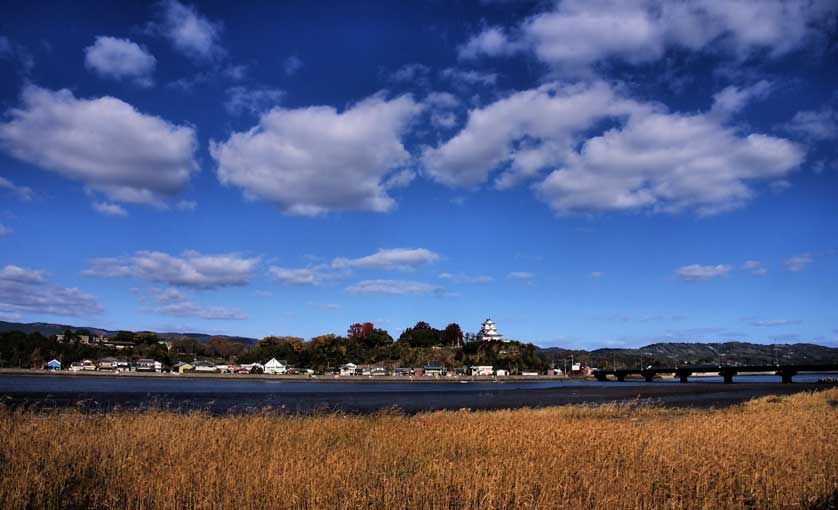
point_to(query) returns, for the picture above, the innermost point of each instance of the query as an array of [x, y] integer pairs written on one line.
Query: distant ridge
[[47, 329]]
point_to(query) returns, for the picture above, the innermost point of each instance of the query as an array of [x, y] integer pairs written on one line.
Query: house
[[118, 344], [158, 366], [76, 366], [482, 370], [107, 364], [182, 367], [403, 371], [146, 365], [87, 364], [276, 367], [348, 369], [554, 371], [501, 372], [205, 367], [123, 366], [53, 365], [460, 371], [433, 370], [529, 374], [378, 371], [250, 368]]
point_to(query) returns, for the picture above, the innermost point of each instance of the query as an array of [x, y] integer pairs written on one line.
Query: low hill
[[48, 329]]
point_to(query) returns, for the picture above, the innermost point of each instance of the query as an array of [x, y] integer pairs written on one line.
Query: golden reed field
[[771, 453]]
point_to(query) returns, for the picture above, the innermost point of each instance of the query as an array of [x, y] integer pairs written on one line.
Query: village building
[[53, 365], [489, 332], [348, 369], [501, 372], [276, 367], [182, 367], [433, 370], [76, 366], [482, 370], [107, 364], [204, 366], [87, 364], [147, 365]]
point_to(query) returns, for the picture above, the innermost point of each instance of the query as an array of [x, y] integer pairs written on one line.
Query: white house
[[274, 366], [204, 366], [348, 369], [482, 370], [501, 372]]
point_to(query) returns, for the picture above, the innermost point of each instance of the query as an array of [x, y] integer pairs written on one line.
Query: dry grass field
[[771, 453]]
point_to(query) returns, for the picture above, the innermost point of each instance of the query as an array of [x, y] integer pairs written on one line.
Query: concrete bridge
[[786, 372]]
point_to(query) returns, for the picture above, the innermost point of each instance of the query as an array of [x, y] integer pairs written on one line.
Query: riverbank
[[772, 453]]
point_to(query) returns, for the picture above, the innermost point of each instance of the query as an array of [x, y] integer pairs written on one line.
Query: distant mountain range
[[48, 329], [742, 353]]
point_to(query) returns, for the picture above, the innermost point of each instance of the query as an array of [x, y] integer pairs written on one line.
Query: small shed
[[53, 365]]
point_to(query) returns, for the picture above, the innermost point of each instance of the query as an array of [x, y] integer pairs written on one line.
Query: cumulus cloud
[[462, 278], [309, 161], [668, 163], [191, 33], [755, 267], [698, 272], [647, 158], [296, 276], [251, 100], [191, 269], [392, 287], [798, 262], [119, 59], [109, 209], [24, 290], [104, 143], [396, 258], [410, 73], [597, 274], [579, 33], [528, 131], [174, 303], [818, 125], [468, 77], [22, 192]]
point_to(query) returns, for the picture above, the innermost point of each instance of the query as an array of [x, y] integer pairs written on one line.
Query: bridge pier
[[601, 376], [648, 376], [621, 377], [786, 375], [683, 375], [728, 375]]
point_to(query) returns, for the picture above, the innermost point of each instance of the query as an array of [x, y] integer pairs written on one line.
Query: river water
[[249, 395]]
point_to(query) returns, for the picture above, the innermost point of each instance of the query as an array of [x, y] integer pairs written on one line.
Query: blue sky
[[586, 173]]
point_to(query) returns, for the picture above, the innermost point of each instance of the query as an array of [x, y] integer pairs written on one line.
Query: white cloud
[[392, 287], [410, 73], [191, 33], [521, 275], [5, 231], [396, 258], [774, 323], [579, 33], [109, 209], [468, 77], [291, 65], [668, 163], [103, 142], [528, 130], [755, 267], [798, 262], [191, 269], [23, 193], [441, 100], [732, 99], [462, 278], [296, 276], [187, 205], [697, 272], [25, 290], [820, 125], [174, 303], [310, 161], [597, 274], [118, 59], [251, 100]]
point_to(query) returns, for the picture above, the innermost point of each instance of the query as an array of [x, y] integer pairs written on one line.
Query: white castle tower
[[489, 332]]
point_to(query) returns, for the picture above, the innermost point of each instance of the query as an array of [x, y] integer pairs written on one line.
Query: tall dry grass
[[771, 453]]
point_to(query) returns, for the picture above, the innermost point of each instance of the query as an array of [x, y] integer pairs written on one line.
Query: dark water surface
[[220, 396]]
